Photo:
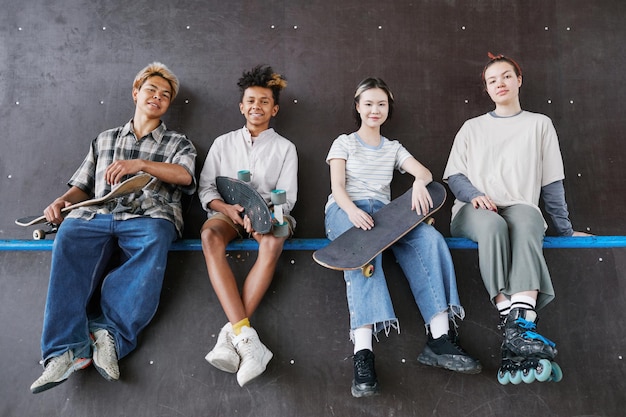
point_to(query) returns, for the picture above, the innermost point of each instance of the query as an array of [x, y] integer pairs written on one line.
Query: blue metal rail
[[312, 244]]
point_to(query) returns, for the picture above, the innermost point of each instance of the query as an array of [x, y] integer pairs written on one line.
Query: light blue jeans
[[425, 260], [129, 294]]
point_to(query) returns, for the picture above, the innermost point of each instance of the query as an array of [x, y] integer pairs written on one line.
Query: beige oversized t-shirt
[[507, 158]]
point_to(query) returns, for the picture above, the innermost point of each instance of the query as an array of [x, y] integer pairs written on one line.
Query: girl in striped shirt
[[361, 169]]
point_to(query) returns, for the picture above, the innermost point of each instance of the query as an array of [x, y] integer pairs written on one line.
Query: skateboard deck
[[356, 248], [131, 185], [235, 191]]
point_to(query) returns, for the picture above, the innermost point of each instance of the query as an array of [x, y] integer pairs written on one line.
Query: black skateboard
[[355, 248]]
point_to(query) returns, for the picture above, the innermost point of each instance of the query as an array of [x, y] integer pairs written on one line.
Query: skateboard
[[131, 185], [356, 248], [235, 191]]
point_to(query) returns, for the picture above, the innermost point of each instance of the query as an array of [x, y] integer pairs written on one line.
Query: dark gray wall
[[66, 70], [303, 320], [70, 67]]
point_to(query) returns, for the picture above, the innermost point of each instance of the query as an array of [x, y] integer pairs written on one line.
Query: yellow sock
[[237, 326]]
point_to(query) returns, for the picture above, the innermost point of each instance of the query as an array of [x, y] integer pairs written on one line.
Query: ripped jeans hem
[[454, 312], [386, 325]]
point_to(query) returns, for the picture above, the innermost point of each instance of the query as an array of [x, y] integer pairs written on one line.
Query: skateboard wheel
[[39, 234], [281, 230], [430, 221], [279, 197], [368, 270], [244, 175]]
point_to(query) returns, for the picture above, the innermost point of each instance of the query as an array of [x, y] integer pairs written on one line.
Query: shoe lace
[[525, 324], [364, 366], [454, 341], [530, 332], [106, 344], [244, 347], [55, 363]]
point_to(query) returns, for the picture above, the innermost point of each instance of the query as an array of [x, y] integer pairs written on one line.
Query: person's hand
[[234, 212], [360, 219], [581, 234], [118, 169], [247, 225], [53, 211], [421, 200], [484, 202]]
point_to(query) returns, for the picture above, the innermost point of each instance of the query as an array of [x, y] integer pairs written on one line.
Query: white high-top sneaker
[[224, 356], [254, 355]]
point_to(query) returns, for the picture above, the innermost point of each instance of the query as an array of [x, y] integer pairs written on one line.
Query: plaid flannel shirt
[[157, 199]]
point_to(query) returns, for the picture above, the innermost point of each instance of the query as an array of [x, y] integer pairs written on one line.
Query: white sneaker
[[254, 355], [57, 370], [224, 356], [105, 355]]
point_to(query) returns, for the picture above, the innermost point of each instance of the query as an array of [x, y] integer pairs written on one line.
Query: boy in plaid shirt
[[142, 225]]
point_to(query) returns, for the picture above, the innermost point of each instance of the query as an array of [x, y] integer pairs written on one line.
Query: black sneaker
[[445, 352], [364, 383]]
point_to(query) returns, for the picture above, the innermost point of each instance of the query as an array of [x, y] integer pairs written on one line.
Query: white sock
[[523, 301], [504, 307], [439, 325], [363, 339]]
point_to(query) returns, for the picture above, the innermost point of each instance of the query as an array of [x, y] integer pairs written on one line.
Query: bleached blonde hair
[[158, 69]]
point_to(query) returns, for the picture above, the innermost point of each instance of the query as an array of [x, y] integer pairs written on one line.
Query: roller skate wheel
[[368, 270], [503, 377], [278, 197], [543, 372], [515, 377], [244, 175], [556, 374], [529, 376], [39, 234], [281, 230]]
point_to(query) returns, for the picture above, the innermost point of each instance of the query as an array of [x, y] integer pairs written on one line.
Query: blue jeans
[[129, 294], [425, 260]]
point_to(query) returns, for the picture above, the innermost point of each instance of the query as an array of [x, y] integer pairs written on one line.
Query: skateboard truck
[[281, 227], [279, 197], [40, 234]]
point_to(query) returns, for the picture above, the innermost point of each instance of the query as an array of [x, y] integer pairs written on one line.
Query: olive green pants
[[510, 249]]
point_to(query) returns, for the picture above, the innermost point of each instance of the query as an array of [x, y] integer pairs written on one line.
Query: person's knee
[[480, 225], [530, 221], [271, 245], [497, 225], [212, 239]]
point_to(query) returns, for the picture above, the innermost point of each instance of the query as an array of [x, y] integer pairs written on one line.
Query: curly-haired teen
[[273, 163]]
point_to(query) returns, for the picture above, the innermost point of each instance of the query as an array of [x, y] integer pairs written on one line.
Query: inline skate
[[527, 356]]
